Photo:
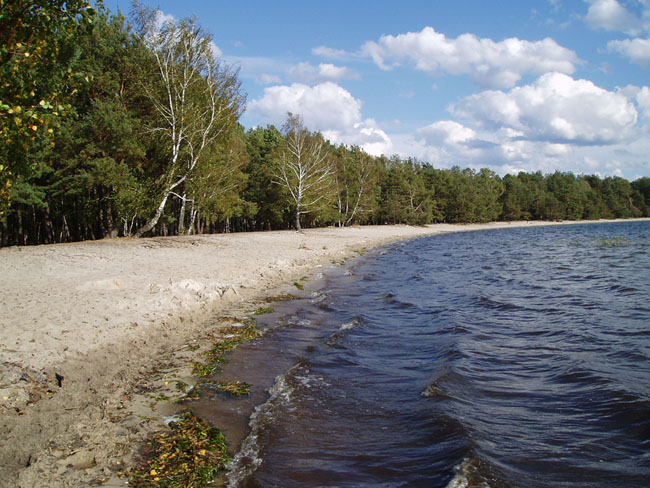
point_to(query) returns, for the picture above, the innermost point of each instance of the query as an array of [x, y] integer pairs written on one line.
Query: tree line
[[115, 128]]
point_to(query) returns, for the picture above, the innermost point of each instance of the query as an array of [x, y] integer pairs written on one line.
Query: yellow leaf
[[153, 472]]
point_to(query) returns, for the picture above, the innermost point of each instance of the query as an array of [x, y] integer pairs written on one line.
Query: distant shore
[[83, 325]]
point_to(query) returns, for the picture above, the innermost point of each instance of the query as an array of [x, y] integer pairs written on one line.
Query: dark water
[[506, 358]]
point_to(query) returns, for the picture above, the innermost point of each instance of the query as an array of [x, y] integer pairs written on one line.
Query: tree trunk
[[111, 230], [181, 216], [4, 240], [148, 227], [298, 228]]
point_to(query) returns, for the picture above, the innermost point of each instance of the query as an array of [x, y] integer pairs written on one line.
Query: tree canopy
[[111, 130]]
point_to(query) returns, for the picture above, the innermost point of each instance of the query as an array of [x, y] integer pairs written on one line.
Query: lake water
[[503, 358]]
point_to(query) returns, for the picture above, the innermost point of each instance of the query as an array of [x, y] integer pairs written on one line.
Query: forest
[[130, 127]]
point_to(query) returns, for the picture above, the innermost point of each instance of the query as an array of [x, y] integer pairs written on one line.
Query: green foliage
[[405, 196], [356, 177], [37, 49], [269, 199], [100, 151]]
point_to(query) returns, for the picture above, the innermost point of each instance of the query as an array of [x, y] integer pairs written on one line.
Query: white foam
[[249, 457], [172, 418], [465, 472], [350, 325]]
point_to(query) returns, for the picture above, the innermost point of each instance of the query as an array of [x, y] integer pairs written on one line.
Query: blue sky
[[513, 86]]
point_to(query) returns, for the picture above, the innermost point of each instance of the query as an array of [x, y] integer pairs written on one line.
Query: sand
[[90, 331]]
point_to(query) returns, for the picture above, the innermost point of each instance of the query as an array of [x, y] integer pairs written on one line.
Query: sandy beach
[[89, 331]]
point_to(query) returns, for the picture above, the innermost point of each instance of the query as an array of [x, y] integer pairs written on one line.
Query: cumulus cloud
[[556, 123], [446, 132], [557, 109], [612, 16], [488, 63], [308, 73], [325, 107], [448, 142], [636, 50], [643, 100]]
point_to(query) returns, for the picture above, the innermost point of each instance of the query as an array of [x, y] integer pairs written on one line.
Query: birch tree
[[303, 168], [356, 184], [197, 100]]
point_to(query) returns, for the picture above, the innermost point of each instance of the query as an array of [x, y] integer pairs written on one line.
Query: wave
[[467, 475], [249, 458]]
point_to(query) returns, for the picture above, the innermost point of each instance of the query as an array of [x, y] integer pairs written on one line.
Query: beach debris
[[21, 386], [263, 310], [59, 379], [233, 388], [281, 298], [229, 338], [190, 453]]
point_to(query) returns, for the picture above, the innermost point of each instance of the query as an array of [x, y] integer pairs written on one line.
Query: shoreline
[[90, 330]]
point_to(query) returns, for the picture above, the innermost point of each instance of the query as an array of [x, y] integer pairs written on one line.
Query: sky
[[542, 85]]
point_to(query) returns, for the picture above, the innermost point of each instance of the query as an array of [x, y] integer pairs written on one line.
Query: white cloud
[[268, 79], [556, 123], [329, 53], [488, 63], [215, 50], [446, 132], [308, 73], [331, 72], [263, 71], [612, 16], [636, 50], [557, 109], [162, 18], [640, 95], [325, 107], [643, 100], [448, 142]]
